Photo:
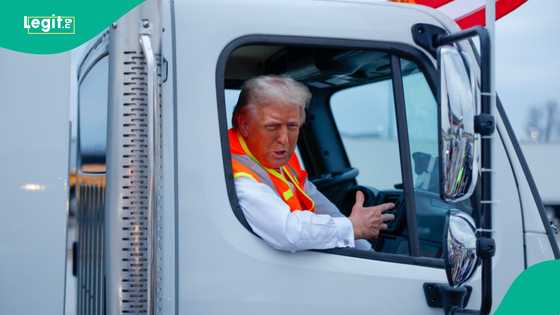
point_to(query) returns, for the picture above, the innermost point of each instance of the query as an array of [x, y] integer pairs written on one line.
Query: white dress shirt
[[270, 218]]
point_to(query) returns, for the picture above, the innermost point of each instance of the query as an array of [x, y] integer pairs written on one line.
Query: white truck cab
[[399, 111]]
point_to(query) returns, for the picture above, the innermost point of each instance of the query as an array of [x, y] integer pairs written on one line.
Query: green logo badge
[[27, 25], [50, 25]]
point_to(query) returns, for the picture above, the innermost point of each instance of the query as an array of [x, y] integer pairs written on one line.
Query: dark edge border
[[404, 152], [397, 49]]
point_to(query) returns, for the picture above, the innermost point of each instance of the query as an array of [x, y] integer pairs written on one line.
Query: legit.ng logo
[[50, 25]]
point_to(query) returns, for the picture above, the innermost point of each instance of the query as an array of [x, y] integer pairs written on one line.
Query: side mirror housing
[[459, 248], [459, 97]]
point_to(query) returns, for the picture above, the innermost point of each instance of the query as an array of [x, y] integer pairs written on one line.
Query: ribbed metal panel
[[90, 216], [130, 158], [134, 185]]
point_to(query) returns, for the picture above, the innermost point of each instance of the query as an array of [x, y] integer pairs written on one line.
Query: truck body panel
[[255, 278], [207, 261], [541, 159]]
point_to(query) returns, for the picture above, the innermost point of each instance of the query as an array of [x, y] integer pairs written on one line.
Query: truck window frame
[[85, 244], [95, 53], [81, 79], [396, 50]]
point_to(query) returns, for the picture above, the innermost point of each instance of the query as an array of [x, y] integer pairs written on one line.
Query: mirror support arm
[[484, 126], [484, 123], [485, 48], [449, 298], [430, 37]]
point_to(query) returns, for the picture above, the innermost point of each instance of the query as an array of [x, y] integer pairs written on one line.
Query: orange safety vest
[[244, 164]]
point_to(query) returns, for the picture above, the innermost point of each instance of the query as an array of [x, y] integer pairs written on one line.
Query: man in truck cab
[[280, 204]]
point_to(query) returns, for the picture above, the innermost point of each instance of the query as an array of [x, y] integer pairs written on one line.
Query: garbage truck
[[400, 110]]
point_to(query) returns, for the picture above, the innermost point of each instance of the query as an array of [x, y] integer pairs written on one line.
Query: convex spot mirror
[[459, 248], [459, 97]]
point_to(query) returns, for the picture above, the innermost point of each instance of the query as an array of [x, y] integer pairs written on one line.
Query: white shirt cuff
[[344, 231]]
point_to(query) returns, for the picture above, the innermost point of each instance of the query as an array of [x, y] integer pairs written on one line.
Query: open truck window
[[350, 139]]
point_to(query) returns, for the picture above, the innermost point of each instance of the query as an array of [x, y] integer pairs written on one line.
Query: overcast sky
[[528, 59]]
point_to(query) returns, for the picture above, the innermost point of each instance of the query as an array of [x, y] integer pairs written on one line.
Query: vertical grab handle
[[153, 166]]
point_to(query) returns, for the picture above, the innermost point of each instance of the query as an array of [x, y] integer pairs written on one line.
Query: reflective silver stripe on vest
[[262, 173]]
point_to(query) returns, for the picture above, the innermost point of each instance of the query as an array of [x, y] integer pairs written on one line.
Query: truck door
[[373, 110]]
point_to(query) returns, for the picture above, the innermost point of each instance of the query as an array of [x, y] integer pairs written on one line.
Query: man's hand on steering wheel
[[369, 221]]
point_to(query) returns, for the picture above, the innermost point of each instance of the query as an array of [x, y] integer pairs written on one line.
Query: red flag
[[468, 13]]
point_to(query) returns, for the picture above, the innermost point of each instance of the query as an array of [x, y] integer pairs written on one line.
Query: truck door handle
[[153, 165]]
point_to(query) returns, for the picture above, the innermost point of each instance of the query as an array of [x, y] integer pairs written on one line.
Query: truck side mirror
[[459, 248], [458, 149]]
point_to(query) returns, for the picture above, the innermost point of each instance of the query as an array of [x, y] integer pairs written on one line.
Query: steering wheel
[[395, 226], [333, 179], [374, 197]]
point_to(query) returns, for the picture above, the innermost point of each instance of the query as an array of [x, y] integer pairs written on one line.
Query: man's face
[[271, 131]]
